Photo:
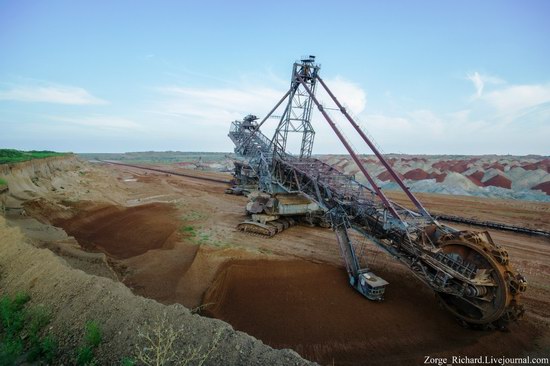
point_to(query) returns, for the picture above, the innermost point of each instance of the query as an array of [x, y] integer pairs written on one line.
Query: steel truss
[[469, 272]]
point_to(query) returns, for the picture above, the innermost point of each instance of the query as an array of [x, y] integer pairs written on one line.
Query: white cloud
[[475, 78], [214, 106], [190, 112], [196, 110], [100, 122], [514, 98], [348, 93], [479, 81], [50, 93]]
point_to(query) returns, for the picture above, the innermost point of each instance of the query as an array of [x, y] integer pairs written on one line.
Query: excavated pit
[[142, 243], [310, 308], [288, 302], [122, 232]]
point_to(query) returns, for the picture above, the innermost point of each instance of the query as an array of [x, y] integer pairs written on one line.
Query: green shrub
[[12, 316], [37, 319], [20, 329], [127, 361], [190, 230], [10, 350], [85, 356], [48, 346], [12, 321], [43, 349], [92, 339], [93, 334]]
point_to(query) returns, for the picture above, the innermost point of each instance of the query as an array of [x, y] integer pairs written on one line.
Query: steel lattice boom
[[470, 273]]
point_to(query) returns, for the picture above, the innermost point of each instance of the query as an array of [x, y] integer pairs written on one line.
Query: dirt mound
[[438, 177], [309, 307], [122, 232], [497, 165], [442, 165], [476, 178], [459, 166], [543, 164], [386, 176], [416, 174], [499, 181], [545, 187]]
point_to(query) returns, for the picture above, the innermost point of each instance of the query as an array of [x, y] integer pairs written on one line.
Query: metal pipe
[[380, 157], [354, 156]]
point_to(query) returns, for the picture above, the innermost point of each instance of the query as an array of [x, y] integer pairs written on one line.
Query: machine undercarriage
[[470, 273]]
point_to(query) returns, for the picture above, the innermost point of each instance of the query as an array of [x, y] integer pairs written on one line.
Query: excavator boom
[[471, 274]]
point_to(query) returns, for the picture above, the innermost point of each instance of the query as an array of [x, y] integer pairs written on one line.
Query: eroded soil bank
[[74, 297], [310, 308]]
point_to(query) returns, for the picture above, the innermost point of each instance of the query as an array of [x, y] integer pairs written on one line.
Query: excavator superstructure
[[470, 273]]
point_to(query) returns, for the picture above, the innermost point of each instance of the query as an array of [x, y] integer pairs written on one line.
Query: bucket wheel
[[494, 301]]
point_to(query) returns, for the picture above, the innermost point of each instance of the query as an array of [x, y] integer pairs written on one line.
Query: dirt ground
[[173, 239], [308, 307]]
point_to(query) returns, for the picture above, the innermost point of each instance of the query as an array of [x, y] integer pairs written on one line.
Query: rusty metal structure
[[470, 273]]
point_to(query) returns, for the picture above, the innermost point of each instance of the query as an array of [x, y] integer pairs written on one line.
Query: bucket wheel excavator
[[470, 273]]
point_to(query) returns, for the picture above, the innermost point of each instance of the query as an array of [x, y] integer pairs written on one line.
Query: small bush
[[92, 339], [93, 334], [20, 331], [48, 348], [157, 346], [10, 350], [42, 349], [12, 316], [12, 321], [85, 356], [37, 319], [127, 361], [190, 230]]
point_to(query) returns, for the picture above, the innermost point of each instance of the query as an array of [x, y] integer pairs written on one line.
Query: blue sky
[[445, 77]]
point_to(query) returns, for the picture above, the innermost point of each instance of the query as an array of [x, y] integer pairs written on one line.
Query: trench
[[309, 307]]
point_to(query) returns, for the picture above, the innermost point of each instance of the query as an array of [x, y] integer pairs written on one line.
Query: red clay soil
[[545, 187], [459, 167], [499, 181], [369, 161], [497, 165], [416, 174], [476, 178], [543, 164], [438, 177], [441, 165], [385, 176], [308, 307], [123, 232]]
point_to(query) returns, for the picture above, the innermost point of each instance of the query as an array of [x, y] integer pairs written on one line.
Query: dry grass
[[157, 342]]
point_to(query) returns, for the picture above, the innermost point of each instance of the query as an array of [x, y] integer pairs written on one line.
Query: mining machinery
[[470, 273]]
